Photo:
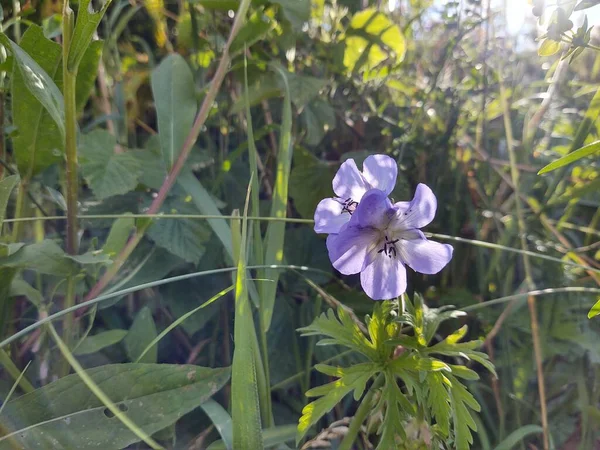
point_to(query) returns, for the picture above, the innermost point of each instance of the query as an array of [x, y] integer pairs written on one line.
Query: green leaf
[[310, 182], [518, 435], [246, 411], [396, 405], [276, 230], [222, 422], [318, 118], [350, 379], [303, 88], [97, 342], [572, 157], [86, 24], [107, 173], [584, 4], [37, 102], [141, 333], [549, 47], [118, 235], [595, 310], [343, 332], [6, 187], [372, 40], [296, 11], [438, 400], [462, 402], [255, 29], [44, 257], [154, 396], [182, 237], [173, 90]]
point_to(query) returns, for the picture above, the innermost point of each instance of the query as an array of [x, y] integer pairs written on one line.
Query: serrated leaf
[[154, 396], [107, 173], [462, 402], [353, 379], [343, 331], [438, 400], [396, 406], [141, 333], [182, 237], [173, 91], [97, 342]]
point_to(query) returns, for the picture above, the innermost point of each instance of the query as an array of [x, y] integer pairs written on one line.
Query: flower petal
[[349, 182], [418, 213], [348, 249], [380, 171], [374, 210], [426, 256], [329, 217], [384, 278]]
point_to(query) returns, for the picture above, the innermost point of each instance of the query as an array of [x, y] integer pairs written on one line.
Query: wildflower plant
[[371, 235]]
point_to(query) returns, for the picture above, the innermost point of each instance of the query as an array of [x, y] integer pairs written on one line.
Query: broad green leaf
[[246, 410], [310, 182], [549, 47], [65, 415], [173, 90], [371, 40], [266, 87], [86, 24], [37, 102], [518, 435], [20, 288], [6, 187], [97, 342], [572, 157], [302, 88], [276, 230], [118, 235], [318, 118], [141, 333], [595, 310], [107, 173], [44, 257], [296, 11], [185, 238]]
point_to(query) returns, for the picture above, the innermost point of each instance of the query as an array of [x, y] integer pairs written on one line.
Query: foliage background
[[463, 104]]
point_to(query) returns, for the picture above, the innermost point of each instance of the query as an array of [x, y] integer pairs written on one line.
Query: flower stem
[[361, 414]]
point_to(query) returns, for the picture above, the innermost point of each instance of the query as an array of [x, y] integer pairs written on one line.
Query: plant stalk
[[361, 414], [537, 347]]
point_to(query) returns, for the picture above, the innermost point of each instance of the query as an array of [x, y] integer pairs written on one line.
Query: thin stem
[[72, 180], [537, 347], [207, 104], [361, 414], [17, 19], [19, 210], [69, 323]]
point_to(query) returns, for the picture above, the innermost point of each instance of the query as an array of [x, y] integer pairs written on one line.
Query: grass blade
[[222, 422], [247, 430], [276, 230], [181, 320], [14, 387], [571, 157], [518, 435]]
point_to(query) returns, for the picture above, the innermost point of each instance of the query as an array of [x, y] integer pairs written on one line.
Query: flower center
[[348, 205], [389, 248]]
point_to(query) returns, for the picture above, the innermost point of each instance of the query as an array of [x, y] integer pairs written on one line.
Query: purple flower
[[381, 238], [349, 185]]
